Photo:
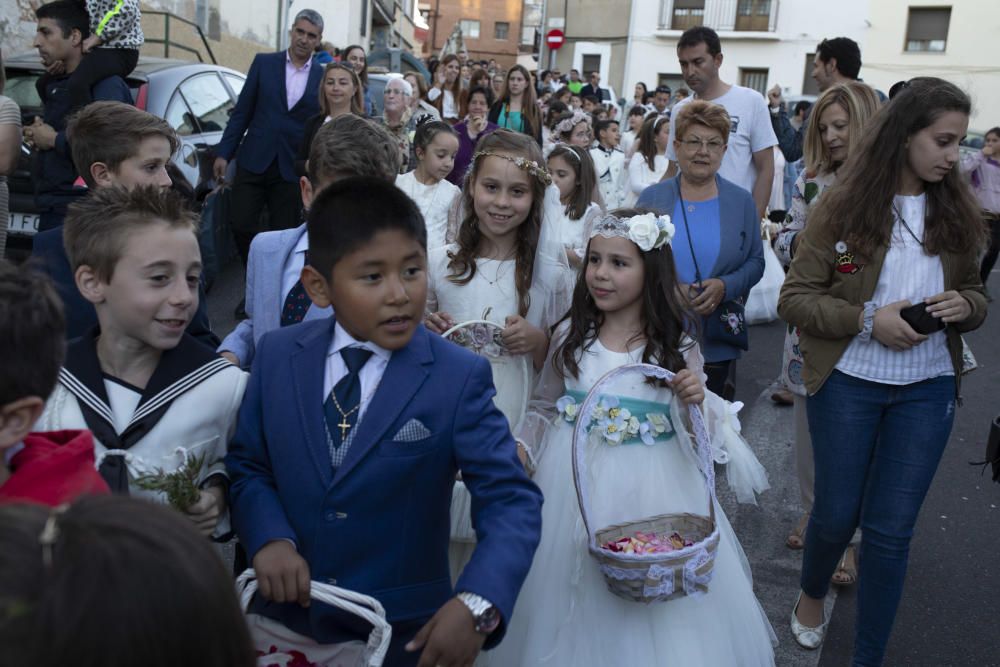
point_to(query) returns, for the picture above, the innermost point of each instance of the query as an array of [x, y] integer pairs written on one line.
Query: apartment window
[[672, 81], [687, 14], [927, 29], [753, 15], [501, 29], [591, 63], [754, 78], [809, 85], [470, 28]]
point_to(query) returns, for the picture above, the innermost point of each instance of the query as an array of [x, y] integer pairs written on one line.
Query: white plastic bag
[[762, 304], [278, 646]]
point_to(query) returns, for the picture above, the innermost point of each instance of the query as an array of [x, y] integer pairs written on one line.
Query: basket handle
[[353, 602], [469, 323], [704, 445]]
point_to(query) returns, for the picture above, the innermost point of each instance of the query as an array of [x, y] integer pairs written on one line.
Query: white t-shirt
[[751, 131]]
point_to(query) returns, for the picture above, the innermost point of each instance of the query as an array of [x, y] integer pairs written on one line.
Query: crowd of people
[[433, 298]]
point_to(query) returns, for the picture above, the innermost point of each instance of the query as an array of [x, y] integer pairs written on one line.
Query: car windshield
[[20, 87]]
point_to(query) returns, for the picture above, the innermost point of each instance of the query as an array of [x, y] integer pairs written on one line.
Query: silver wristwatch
[[486, 616]]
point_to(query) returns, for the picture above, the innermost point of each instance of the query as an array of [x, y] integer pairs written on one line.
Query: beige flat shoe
[[810, 638]]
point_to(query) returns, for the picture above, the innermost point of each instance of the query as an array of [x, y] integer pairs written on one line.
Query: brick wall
[[488, 13]]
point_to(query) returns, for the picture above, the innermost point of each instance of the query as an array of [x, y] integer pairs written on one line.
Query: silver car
[[195, 98]]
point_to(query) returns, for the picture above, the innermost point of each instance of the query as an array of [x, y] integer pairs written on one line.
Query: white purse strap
[[355, 603]]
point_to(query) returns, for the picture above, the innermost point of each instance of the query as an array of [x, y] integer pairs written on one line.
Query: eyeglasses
[[393, 91], [710, 145]]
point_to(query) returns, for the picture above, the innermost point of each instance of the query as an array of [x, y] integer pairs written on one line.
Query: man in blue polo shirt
[[62, 27]]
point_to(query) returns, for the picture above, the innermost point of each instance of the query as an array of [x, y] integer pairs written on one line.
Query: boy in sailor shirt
[[154, 397]]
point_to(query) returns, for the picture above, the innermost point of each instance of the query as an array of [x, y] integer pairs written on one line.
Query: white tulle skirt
[[566, 616]]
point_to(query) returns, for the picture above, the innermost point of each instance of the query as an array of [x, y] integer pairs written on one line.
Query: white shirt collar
[[303, 243], [342, 339]]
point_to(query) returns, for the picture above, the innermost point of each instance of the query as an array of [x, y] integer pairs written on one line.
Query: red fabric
[[53, 468]]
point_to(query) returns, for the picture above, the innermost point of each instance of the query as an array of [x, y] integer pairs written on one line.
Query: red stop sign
[[555, 38]]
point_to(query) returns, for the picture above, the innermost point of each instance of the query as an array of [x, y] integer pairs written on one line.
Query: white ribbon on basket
[[704, 452], [355, 603]]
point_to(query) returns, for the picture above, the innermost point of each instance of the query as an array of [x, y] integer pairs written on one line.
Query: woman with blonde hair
[[341, 92], [832, 135]]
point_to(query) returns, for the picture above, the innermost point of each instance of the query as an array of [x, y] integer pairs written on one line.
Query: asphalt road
[[948, 612]]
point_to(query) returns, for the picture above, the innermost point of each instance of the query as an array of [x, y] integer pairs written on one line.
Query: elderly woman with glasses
[[717, 247], [399, 119]]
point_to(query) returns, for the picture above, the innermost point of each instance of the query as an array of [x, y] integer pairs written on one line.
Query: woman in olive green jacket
[[900, 229]]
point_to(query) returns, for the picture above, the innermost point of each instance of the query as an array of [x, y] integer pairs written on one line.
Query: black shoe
[[241, 310]]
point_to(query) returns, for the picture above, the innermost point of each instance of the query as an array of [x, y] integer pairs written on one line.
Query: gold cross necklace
[[344, 426]]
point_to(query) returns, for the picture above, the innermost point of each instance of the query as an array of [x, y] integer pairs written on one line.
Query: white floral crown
[[567, 124], [648, 231], [524, 164]]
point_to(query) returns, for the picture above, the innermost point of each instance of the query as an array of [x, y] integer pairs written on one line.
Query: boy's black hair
[[638, 110], [602, 125], [801, 105], [846, 51], [593, 99], [701, 35], [69, 15], [349, 213], [32, 334]]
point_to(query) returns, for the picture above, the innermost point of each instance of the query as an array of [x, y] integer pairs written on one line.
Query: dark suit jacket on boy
[[380, 523]]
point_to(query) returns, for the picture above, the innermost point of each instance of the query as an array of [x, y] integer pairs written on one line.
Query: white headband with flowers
[[567, 124], [648, 231]]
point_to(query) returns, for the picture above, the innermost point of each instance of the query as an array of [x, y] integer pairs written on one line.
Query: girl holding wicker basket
[[633, 456]]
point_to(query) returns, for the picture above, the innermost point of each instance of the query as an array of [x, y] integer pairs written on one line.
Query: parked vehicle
[[195, 98]]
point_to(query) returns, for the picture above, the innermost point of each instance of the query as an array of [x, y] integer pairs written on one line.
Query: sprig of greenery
[[181, 486]]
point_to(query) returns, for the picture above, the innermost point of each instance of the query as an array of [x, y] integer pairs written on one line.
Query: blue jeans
[[876, 449]]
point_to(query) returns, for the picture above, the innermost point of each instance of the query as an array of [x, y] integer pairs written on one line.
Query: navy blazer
[[49, 255], [273, 132], [381, 525], [740, 263]]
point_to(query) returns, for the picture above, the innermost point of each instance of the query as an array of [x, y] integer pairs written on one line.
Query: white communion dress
[[434, 202], [565, 615]]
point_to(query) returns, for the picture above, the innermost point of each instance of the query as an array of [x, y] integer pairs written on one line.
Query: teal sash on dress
[[638, 409]]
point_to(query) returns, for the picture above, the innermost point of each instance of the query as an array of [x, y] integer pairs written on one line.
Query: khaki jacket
[[825, 292]]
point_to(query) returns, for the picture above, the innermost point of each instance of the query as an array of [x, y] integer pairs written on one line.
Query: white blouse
[[907, 274], [434, 202]]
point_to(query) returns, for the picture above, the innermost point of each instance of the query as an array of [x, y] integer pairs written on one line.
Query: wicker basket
[[461, 500], [661, 576]]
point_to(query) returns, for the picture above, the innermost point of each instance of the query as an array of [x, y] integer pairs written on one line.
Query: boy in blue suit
[[349, 439]]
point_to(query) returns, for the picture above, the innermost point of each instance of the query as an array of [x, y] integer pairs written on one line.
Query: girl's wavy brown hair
[[586, 176], [665, 322], [462, 261], [859, 206]]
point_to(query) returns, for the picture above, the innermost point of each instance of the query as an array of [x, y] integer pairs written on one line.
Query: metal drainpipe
[[623, 90]]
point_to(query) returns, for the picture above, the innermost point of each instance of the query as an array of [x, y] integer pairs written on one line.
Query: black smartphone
[[920, 320]]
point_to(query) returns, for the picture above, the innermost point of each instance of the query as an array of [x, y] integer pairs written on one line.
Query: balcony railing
[[720, 15]]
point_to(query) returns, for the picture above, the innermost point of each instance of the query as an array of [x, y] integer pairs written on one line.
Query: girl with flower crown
[[573, 174], [640, 462], [502, 269]]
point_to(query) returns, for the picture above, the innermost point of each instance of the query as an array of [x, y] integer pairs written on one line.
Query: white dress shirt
[[371, 372]]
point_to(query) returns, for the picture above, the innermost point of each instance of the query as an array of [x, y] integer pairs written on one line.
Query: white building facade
[[764, 42]]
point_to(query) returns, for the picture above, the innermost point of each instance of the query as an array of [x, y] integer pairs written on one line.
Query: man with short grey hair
[[280, 94]]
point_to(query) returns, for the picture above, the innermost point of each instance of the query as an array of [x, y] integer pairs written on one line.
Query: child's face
[[502, 198], [615, 274], [563, 176], [147, 167], [611, 136], [438, 159], [153, 292], [574, 102], [378, 291], [635, 122], [588, 106], [580, 135]]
